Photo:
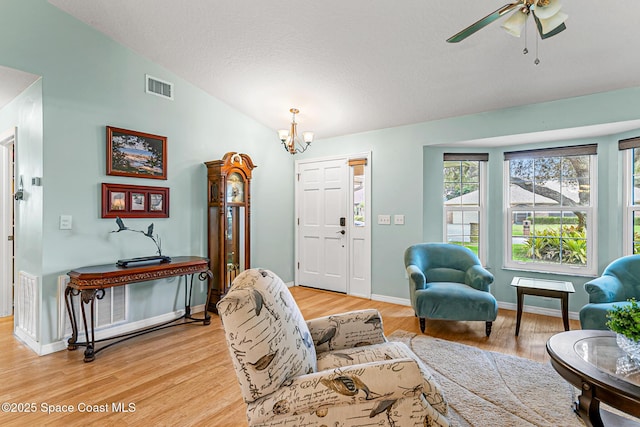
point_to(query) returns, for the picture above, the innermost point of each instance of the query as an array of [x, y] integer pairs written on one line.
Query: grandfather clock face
[[235, 188]]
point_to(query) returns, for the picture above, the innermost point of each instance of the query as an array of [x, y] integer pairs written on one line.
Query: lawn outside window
[[550, 210], [464, 201]]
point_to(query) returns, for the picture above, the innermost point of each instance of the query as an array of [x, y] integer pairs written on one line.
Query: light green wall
[[88, 82], [407, 179]]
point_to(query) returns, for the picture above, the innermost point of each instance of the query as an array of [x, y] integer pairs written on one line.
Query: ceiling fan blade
[[551, 33], [476, 26]]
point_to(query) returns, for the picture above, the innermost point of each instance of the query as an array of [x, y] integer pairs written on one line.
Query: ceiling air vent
[[159, 87]]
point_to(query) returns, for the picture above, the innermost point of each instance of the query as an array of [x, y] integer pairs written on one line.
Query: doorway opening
[[7, 221], [333, 224]]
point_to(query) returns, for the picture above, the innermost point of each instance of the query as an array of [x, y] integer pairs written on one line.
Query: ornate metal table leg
[[69, 293], [187, 296], [203, 276], [89, 296]]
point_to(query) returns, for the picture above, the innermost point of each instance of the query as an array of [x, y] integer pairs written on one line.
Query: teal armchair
[[619, 282], [447, 281]]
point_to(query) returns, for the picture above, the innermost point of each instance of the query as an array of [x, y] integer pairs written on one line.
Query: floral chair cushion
[[260, 317]]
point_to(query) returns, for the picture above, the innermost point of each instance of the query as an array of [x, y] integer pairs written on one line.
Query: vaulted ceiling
[[358, 65]]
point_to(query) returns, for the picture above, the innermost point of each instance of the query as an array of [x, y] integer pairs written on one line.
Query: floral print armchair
[[335, 370]]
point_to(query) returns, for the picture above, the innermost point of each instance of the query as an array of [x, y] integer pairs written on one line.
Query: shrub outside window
[[550, 209], [464, 201]]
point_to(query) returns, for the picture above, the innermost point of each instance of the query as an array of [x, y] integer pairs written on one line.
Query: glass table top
[[603, 353], [552, 285]]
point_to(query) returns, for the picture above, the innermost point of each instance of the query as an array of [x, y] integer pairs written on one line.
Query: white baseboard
[[392, 300], [124, 328], [505, 305], [552, 312]]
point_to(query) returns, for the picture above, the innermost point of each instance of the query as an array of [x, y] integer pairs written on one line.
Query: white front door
[[333, 210], [322, 224]]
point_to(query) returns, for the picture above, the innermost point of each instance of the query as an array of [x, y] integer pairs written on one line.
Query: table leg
[[187, 298], [565, 310], [204, 276], [69, 292], [519, 312], [88, 298], [588, 407]]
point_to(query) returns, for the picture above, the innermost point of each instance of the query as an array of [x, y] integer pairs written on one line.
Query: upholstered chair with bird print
[[335, 370]]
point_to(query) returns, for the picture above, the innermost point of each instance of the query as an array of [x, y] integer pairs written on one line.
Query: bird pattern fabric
[[266, 334], [337, 370]]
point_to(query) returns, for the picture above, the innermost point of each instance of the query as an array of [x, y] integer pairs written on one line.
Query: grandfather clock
[[229, 209]]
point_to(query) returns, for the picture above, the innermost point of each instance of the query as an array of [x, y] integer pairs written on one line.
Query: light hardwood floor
[[182, 376]]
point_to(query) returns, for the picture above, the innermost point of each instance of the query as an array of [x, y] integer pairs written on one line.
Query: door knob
[[341, 232]]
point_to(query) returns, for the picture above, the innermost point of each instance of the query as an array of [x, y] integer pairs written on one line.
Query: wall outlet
[[384, 219], [66, 222]]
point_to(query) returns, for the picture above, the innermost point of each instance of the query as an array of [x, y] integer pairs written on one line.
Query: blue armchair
[[447, 281], [619, 282]]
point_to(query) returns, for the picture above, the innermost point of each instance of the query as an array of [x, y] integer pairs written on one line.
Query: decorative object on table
[[149, 234], [617, 284], [136, 154], [625, 322], [134, 201], [290, 139], [228, 210]]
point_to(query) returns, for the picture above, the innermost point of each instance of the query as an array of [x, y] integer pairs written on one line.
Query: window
[[550, 209], [631, 240], [464, 201]]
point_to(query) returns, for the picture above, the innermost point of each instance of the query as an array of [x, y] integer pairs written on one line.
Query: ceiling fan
[[546, 13]]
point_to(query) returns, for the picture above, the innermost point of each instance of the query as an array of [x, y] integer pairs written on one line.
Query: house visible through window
[[464, 201], [631, 240], [550, 209]]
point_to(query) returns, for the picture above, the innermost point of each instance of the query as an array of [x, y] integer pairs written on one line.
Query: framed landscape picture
[[134, 201], [136, 154]]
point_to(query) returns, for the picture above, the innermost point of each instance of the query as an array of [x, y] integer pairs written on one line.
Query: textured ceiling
[[359, 65], [12, 83]]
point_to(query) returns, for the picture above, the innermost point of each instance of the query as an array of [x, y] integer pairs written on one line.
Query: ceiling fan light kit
[[547, 15]]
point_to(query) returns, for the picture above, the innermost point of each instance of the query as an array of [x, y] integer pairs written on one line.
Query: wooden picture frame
[[134, 201], [136, 154]]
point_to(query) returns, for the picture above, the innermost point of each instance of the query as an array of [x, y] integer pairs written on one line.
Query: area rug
[[486, 388]]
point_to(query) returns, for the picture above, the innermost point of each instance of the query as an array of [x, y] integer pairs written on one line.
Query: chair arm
[[347, 330], [417, 278], [605, 289], [479, 278], [373, 382]]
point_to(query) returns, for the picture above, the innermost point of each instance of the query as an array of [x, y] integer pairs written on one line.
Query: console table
[[90, 283]]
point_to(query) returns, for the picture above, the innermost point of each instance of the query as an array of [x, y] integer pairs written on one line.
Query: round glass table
[[593, 362]]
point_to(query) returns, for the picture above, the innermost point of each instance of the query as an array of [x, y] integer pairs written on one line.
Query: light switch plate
[[66, 222], [384, 219], [398, 219]]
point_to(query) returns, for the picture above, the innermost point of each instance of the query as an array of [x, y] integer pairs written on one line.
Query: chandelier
[[290, 139]]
